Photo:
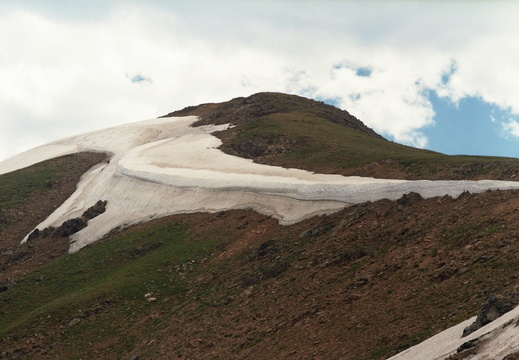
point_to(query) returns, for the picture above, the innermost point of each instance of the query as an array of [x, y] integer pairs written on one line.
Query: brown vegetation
[[363, 283]]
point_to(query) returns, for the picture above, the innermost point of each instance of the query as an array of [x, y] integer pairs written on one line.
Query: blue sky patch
[[470, 127], [330, 101], [363, 71], [139, 79], [446, 76]]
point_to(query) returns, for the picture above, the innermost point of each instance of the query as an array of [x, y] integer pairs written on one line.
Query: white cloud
[[134, 60], [512, 128]]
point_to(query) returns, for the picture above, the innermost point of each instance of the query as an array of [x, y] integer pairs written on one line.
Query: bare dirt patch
[[363, 283]]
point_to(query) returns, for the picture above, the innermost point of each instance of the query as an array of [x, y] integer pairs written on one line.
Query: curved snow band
[[164, 166]]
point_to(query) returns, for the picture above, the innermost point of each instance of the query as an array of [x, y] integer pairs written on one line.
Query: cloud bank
[[67, 70]]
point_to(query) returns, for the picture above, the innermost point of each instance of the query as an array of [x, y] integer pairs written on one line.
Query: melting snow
[[165, 166]]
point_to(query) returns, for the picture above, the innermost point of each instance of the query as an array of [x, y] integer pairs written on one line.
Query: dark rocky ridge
[[71, 226]]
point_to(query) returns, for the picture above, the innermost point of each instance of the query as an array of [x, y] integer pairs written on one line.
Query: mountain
[[181, 251], [291, 131]]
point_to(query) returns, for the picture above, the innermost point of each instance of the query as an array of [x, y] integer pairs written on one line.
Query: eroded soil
[[363, 283]]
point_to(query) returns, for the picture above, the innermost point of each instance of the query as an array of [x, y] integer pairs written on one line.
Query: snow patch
[[497, 339], [165, 166]]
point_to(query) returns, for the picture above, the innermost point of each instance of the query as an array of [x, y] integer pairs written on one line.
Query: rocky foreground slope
[[363, 283]]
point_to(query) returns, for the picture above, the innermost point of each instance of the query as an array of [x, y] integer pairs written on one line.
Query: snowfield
[[165, 166]]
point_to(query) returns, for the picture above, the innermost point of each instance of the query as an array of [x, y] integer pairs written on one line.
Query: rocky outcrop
[[96, 210], [493, 307], [71, 226]]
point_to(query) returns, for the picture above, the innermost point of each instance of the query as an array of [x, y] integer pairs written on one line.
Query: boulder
[[493, 307], [33, 235], [72, 226], [96, 210]]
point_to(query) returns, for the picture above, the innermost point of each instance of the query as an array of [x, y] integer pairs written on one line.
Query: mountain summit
[[271, 226]]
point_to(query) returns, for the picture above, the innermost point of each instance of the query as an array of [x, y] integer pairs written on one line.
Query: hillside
[[363, 283], [292, 131]]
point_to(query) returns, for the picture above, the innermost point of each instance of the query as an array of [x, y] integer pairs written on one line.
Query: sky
[[441, 75]]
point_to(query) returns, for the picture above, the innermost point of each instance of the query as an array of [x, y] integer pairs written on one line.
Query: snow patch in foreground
[[165, 166], [495, 341]]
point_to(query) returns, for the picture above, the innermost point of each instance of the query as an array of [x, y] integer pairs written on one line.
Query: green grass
[[35, 183], [322, 143], [18, 186], [114, 269], [111, 278], [105, 286]]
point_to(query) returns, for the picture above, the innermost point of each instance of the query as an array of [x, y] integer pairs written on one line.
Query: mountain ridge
[[363, 283], [242, 109], [291, 133]]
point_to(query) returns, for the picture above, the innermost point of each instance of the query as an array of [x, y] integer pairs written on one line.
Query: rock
[[34, 235], [247, 292], [493, 308], [8, 216], [409, 198], [74, 321], [348, 255], [317, 230], [9, 283], [466, 350], [149, 297], [96, 210], [243, 226], [72, 226], [467, 345], [49, 232], [3, 217], [446, 272], [267, 247], [274, 269], [362, 281]]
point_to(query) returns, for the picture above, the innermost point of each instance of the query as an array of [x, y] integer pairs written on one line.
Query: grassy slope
[[27, 197], [122, 271], [360, 284], [291, 131], [20, 187]]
